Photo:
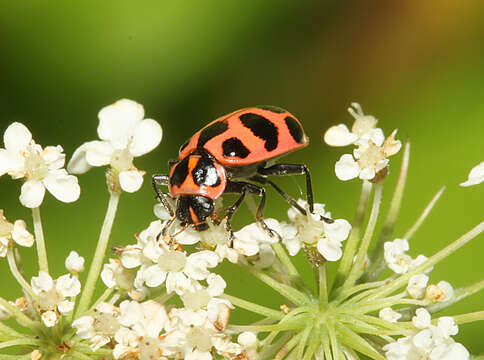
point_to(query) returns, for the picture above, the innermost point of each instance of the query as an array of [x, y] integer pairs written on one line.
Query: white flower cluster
[[41, 168], [148, 331], [55, 297], [124, 134], [16, 232], [370, 158], [432, 342], [397, 259], [302, 231]]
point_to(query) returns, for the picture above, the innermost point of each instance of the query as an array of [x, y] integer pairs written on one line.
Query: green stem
[[102, 298], [23, 341], [326, 343], [346, 293], [8, 331], [255, 308], [286, 291], [354, 341], [298, 324], [354, 238], [358, 266], [424, 215], [97, 262], [323, 284], [16, 274], [303, 342], [288, 347], [313, 346], [469, 317], [376, 256], [39, 240], [442, 254], [335, 346], [285, 260]]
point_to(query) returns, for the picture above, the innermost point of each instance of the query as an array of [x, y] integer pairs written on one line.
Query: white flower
[[364, 127], [100, 327], [313, 231], [422, 318], [49, 318], [115, 275], [68, 286], [42, 283], [443, 291], [397, 259], [429, 341], [476, 175], [371, 155], [124, 134], [388, 314], [74, 263], [17, 232], [248, 239], [417, 285], [41, 168]]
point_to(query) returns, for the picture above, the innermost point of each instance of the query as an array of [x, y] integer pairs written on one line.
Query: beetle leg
[[159, 179], [246, 187], [290, 169], [230, 212]]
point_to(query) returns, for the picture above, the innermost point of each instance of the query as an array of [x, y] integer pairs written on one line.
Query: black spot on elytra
[[184, 146], [180, 173], [262, 128], [205, 173], [210, 132], [233, 147], [274, 109], [295, 129]]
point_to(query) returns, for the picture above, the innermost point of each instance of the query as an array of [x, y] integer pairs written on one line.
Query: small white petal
[[153, 276], [98, 153], [147, 136], [330, 250], [422, 318], [84, 327], [131, 257], [49, 318], [74, 263], [376, 135], [339, 135], [367, 173], [63, 186], [6, 161], [32, 193], [54, 157], [346, 168], [131, 180], [65, 307], [16, 137], [338, 230], [447, 326], [476, 175], [68, 285], [118, 121], [247, 339], [78, 163], [388, 314], [43, 282], [20, 234]]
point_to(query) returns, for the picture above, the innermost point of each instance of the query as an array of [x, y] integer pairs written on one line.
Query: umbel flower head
[[163, 298]]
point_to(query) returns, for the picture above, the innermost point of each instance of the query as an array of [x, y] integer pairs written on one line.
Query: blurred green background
[[416, 65]]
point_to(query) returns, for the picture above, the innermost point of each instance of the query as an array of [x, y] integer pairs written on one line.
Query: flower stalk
[[39, 240]]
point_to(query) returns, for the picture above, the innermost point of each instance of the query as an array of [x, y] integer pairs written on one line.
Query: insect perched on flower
[[222, 156]]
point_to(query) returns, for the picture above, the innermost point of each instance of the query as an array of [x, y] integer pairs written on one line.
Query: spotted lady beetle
[[233, 154]]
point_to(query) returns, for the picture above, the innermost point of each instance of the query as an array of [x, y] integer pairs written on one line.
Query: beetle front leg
[[159, 179], [242, 187]]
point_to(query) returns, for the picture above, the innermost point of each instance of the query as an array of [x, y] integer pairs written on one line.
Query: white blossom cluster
[[432, 342], [370, 157], [163, 298]]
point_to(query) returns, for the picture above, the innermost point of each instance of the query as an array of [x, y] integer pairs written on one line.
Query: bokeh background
[[416, 65]]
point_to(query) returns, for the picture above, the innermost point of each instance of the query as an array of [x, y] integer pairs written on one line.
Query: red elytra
[[286, 140], [233, 154]]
